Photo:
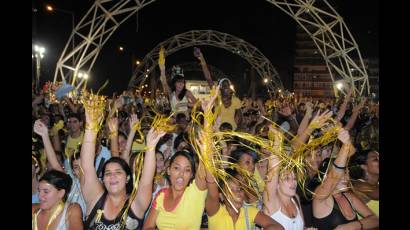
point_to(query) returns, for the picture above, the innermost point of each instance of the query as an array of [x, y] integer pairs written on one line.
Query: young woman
[[179, 97], [54, 212], [367, 186], [179, 206], [334, 206], [107, 201], [233, 213]]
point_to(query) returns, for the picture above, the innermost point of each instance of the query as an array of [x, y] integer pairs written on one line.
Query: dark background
[[258, 22]]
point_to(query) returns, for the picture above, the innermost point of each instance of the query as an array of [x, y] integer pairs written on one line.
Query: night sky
[[257, 22]]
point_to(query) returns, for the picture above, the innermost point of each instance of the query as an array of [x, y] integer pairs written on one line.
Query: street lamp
[[84, 78], [265, 80], [339, 85], [39, 54]]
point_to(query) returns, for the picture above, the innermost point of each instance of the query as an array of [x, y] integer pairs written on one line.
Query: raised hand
[[349, 93], [94, 113], [285, 111], [153, 137], [344, 136], [198, 53], [133, 121], [358, 107], [207, 104], [113, 124], [40, 128], [320, 119], [119, 102]]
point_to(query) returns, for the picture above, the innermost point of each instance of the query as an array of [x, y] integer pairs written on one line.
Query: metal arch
[[330, 34], [225, 41], [94, 30], [196, 67], [332, 38]]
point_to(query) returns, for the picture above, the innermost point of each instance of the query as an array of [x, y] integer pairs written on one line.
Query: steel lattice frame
[[326, 27], [196, 67], [238, 46]]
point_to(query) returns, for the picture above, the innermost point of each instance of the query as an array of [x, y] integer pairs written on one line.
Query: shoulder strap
[[98, 205], [248, 225], [350, 203], [100, 166], [297, 201]]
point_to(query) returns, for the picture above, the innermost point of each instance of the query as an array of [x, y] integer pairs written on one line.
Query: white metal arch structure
[[93, 31], [196, 67], [238, 46], [332, 38], [323, 24]]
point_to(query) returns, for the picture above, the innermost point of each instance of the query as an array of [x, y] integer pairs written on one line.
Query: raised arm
[[212, 199], [355, 113], [55, 137], [369, 221], [270, 193], [191, 98], [287, 112], [71, 105], [42, 130], [113, 135], [318, 121], [144, 193], [130, 139], [305, 121], [201, 174], [34, 104], [342, 109], [90, 185], [163, 78], [323, 191], [198, 54]]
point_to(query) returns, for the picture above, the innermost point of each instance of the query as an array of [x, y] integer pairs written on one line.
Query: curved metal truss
[[318, 18], [332, 38], [237, 46], [196, 67]]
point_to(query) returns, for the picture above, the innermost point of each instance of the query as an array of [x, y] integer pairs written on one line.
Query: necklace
[[54, 213]]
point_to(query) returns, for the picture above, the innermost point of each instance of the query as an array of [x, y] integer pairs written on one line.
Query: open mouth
[[114, 183], [179, 181]]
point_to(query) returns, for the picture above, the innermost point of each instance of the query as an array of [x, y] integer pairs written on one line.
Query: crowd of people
[[129, 162]]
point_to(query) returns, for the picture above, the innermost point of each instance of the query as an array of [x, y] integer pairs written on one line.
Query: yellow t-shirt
[[222, 220], [72, 144], [374, 206], [186, 215], [228, 114]]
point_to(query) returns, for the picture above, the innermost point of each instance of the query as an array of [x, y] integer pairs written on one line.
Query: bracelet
[[361, 224], [150, 148], [113, 134], [92, 127], [338, 167]]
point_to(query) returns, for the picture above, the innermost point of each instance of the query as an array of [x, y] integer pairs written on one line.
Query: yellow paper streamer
[[161, 59]]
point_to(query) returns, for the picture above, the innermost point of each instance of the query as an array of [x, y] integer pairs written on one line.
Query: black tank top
[[132, 221], [334, 219]]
